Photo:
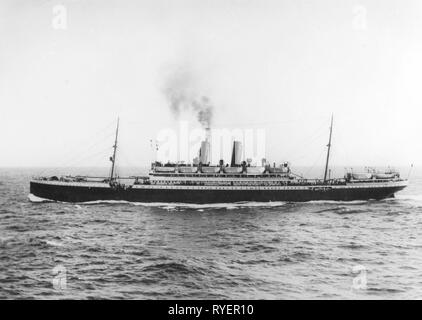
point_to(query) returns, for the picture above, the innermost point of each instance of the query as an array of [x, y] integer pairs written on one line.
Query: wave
[[53, 243], [175, 205], [228, 205], [337, 202], [166, 269], [409, 197], [172, 205], [343, 210], [199, 207], [36, 199]]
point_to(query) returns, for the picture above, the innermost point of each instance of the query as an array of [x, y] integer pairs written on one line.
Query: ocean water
[[316, 250]]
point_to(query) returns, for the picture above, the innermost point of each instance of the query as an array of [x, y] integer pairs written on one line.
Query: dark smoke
[[204, 111], [181, 93]]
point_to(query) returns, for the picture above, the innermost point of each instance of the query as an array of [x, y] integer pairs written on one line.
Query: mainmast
[[328, 150], [113, 158]]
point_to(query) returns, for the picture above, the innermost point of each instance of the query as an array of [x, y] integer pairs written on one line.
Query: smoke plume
[[181, 91]]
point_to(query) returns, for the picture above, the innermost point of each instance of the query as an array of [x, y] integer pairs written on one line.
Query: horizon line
[[142, 166]]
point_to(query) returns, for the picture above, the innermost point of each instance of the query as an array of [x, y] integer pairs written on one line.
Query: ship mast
[[328, 150], [113, 158]]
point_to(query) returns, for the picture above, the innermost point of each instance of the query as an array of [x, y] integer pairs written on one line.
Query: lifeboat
[[385, 175], [255, 170], [165, 169], [361, 176], [188, 169], [210, 169], [233, 170], [275, 170]]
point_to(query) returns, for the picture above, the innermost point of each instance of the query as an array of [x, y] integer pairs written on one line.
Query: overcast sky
[[283, 66]]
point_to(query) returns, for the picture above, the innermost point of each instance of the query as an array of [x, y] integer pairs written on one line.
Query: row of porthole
[[225, 187], [221, 187], [243, 188]]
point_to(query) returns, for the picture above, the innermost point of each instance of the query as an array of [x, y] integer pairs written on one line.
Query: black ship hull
[[86, 193]]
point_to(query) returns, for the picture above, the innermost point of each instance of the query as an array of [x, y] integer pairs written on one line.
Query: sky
[[68, 69]]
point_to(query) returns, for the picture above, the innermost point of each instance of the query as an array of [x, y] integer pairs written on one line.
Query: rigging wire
[[77, 157], [103, 136], [91, 156], [317, 134], [315, 163]]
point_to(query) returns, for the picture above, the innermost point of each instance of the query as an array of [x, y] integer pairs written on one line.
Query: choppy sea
[[316, 250]]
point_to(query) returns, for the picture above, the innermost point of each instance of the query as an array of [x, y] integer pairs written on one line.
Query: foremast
[[328, 150], [113, 158]]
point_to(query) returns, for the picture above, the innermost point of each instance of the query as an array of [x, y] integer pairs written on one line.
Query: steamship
[[203, 183]]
